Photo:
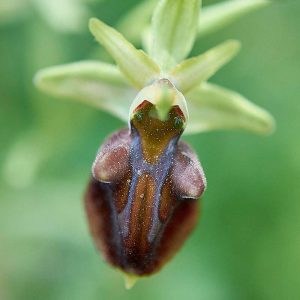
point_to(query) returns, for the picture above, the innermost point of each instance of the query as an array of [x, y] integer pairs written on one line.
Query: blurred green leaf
[[217, 16], [213, 107], [174, 28], [193, 71], [12, 10], [94, 83], [135, 64], [135, 22], [64, 15], [24, 160]]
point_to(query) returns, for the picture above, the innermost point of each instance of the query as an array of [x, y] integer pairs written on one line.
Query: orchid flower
[[142, 198]]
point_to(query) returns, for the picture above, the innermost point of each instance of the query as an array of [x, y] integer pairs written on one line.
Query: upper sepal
[[174, 28]]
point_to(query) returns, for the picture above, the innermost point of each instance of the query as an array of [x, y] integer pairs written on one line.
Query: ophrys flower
[[142, 197]]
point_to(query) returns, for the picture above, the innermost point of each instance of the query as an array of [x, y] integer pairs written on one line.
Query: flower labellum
[[141, 201]]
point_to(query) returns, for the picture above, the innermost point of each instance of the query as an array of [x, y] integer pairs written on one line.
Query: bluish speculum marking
[[158, 171], [151, 153]]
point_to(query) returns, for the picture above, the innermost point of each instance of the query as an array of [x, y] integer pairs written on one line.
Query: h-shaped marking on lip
[[159, 172]]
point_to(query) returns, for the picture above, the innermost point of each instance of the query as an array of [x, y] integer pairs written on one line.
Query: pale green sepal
[[98, 84], [174, 29], [217, 16], [137, 20], [135, 64], [191, 72], [212, 107], [163, 95]]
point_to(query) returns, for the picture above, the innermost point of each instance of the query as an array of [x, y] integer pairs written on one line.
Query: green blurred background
[[247, 244]]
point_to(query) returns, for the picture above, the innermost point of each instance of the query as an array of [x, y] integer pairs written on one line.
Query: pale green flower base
[[113, 89]]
